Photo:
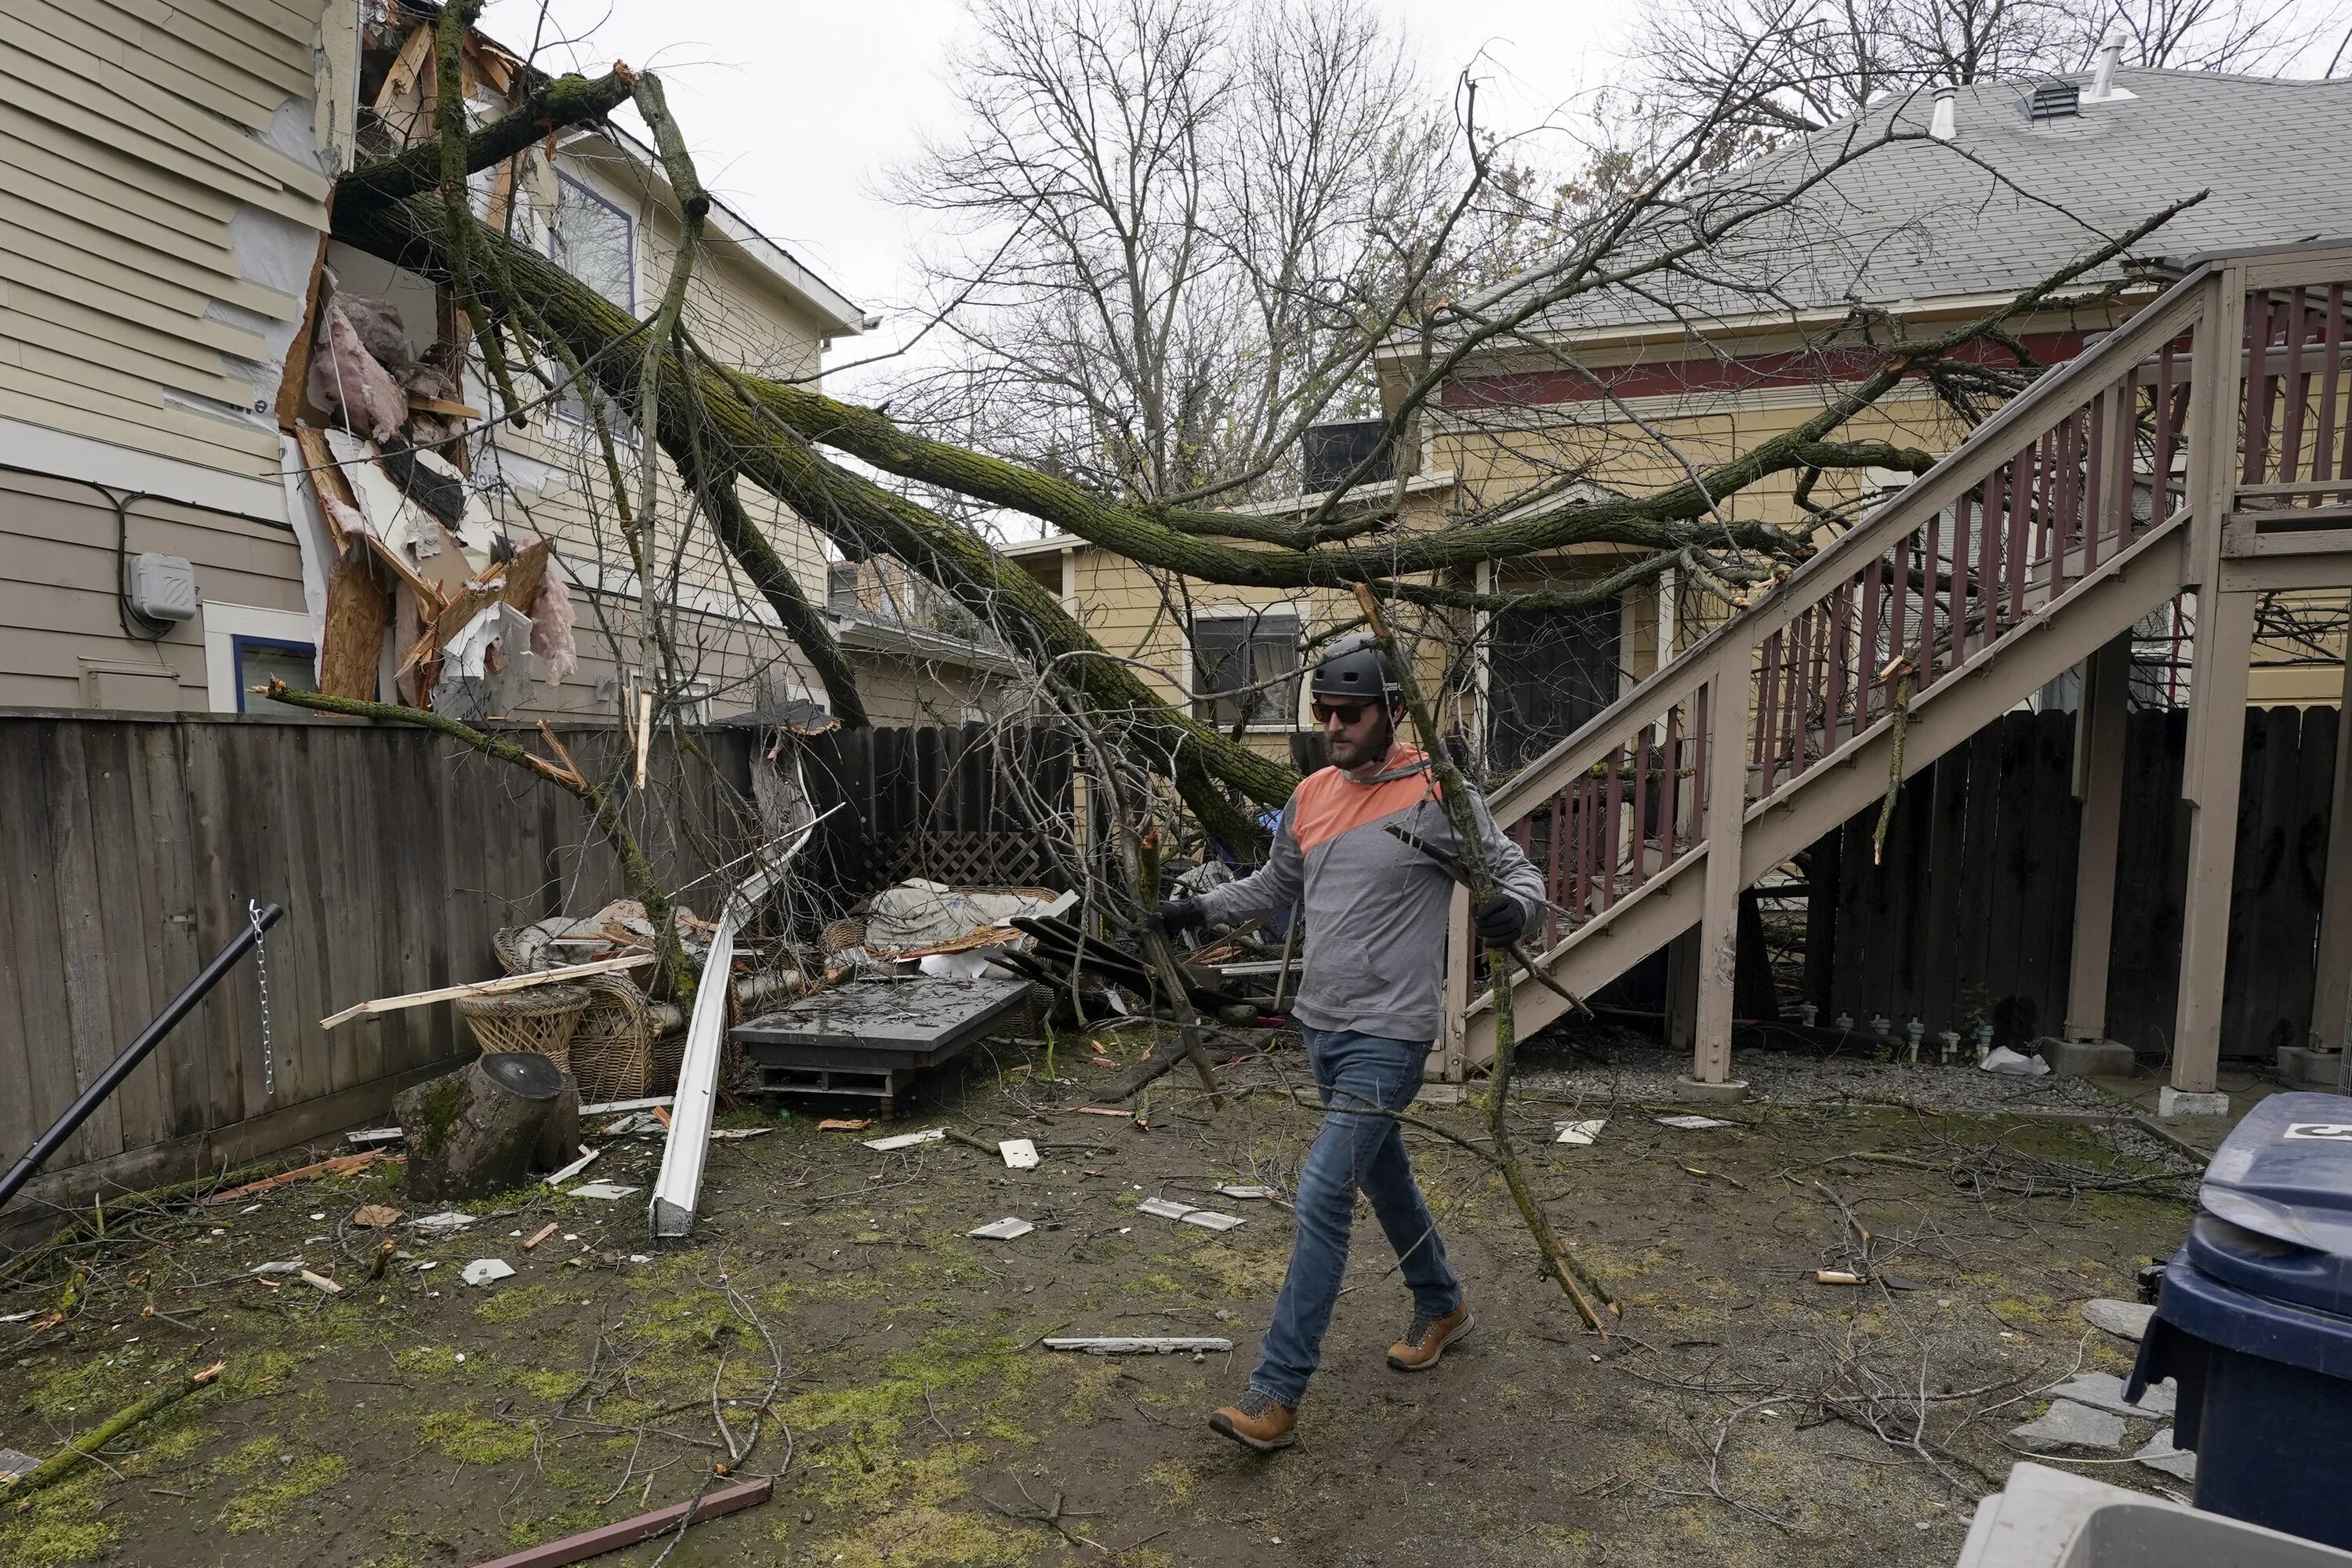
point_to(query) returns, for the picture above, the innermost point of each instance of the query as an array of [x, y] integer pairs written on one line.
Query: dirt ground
[[1742, 1412]]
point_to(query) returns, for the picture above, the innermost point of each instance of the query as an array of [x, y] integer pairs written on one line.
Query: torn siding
[[163, 209]]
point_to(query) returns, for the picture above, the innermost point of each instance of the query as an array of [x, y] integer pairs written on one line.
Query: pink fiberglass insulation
[[345, 379], [550, 627]]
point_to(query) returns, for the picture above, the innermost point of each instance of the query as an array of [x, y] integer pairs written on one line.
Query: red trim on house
[[1800, 367]]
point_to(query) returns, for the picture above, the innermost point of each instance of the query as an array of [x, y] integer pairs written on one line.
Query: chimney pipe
[[2103, 82], [1943, 126]]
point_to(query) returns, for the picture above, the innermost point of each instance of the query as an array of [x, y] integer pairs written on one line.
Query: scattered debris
[[734, 1134], [2125, 1319], [367, 1136], [375, 1216], [844, 1124], [483, 1270], [2161, 1455], [612, 1107], [447, 1222], [341, 1165], [544, 1232], [1020, 1153], [905, 1139], [1693, 1123], [2001, 1058], [320, 1282], [2067, 1424], [1175, 1345], [1580, 1132], [636, 1124], [14, 1464], [497, 987], [263, 1271], [1839, 1276], [1101, 1110], [601, 1190], [557, 1178], [1207, 1219], [635, 1531], [1230, 1190], [1005, 1229]]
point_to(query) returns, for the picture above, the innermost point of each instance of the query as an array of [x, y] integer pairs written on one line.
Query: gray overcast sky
[[796, 112]]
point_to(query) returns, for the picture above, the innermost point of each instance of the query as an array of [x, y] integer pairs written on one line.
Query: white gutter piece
[[671, 1212]]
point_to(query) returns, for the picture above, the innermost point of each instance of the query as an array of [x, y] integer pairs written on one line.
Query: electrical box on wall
[[163, 588]]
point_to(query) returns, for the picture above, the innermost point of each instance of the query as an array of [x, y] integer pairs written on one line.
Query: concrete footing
[[2307, 1068], [1689, 1088], [2083, 1058], [2171, 1102]]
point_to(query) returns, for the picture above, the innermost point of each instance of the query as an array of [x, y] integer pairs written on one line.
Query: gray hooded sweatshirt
[[1375, 907]]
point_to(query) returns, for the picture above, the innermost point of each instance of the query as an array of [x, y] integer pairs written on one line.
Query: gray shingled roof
[[1916, 220]]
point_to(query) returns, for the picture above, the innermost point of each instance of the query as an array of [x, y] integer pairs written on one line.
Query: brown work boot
[[1259, 1421], [1427, 1338]]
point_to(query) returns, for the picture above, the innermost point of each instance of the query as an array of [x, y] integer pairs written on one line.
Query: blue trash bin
[[2254, 1320]]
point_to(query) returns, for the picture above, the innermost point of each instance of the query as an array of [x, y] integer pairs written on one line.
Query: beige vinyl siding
[[58, 605], [129, 146]]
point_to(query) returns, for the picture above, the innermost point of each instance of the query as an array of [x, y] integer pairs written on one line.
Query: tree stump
[[473, 1132], [559, 1135]]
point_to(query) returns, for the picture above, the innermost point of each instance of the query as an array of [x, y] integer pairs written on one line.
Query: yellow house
[[1985, 190]]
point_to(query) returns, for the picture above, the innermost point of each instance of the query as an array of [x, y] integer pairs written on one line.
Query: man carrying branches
[[1368, 1005]]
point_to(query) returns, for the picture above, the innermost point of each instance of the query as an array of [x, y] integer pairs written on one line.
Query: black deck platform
[[869, 1036]]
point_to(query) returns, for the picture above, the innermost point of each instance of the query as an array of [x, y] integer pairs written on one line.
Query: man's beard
[[1375, 747]]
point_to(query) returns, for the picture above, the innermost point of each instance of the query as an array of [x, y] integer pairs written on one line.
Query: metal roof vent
[[2055, 101], [1945, 125]]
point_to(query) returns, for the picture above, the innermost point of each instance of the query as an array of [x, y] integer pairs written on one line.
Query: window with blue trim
[[262, 659]]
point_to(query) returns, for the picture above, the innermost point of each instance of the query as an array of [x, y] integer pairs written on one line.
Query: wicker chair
[[540, 1019], [611, 1050]]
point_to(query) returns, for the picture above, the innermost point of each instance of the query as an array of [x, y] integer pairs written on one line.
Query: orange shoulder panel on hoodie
[[1331, 803]]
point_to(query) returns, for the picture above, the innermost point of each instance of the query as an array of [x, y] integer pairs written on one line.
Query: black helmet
[[1356, 670]]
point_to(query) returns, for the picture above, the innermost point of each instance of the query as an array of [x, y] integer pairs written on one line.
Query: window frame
[[1292, 610]]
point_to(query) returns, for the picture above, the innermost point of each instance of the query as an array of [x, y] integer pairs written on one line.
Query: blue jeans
[[1358, 1076]]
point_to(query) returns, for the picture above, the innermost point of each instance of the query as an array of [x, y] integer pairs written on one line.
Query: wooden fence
[[1969, 915], [130, 845]]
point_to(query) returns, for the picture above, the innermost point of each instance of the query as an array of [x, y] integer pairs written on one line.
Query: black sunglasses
[[1348, 713]]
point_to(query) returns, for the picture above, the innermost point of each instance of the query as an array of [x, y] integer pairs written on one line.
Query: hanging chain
[[261, 967]]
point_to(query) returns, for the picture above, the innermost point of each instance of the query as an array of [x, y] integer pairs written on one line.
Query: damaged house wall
[[165, 205]]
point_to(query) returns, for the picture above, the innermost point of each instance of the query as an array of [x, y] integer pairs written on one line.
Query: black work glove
[[1177, 916], [1500, 919]]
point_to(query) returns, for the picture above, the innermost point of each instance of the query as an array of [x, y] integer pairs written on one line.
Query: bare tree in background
[[1795, 66], [1180, 229]]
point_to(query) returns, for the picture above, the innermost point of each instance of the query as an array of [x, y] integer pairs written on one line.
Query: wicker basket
[[611, 1050], [540, 1019]]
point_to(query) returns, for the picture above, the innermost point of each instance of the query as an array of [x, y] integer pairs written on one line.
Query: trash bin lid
[[2282, 1183]]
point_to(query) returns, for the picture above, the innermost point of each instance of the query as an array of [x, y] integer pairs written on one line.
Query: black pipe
[[96, 1095]]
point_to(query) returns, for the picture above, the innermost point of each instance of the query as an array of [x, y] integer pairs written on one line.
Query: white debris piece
[[1144, 1346], [1210, 1219], [2104, 1391], [447, 1222], [1580, 1132], [605, 1107], [1693, 1123], [2001, 1058], [1005, 1229], [292, 1266], [734, 1134], [557, 1178], [1231, 1191], [905, 1140], [1020, 1153], [482, 1270], [601, 1190], [1163, 1208], [368, 1135], [2125, 1319]]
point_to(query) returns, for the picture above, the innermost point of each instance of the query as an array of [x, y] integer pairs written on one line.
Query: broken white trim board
[[366, 1136], [1230, 1190], [1005, 1229], [483, 1270], [1691, 1123], [905, 1139], [557, 1178], [670, 1211], [1581, 1133], [1141, 1346], [607, 1107], [497, 987], [1020, 1153]]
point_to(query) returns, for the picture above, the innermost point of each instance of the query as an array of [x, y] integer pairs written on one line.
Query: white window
[[246, 646], [1246, 667]]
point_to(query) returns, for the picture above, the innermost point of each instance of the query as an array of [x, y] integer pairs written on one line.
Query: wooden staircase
[[2210, 432]]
